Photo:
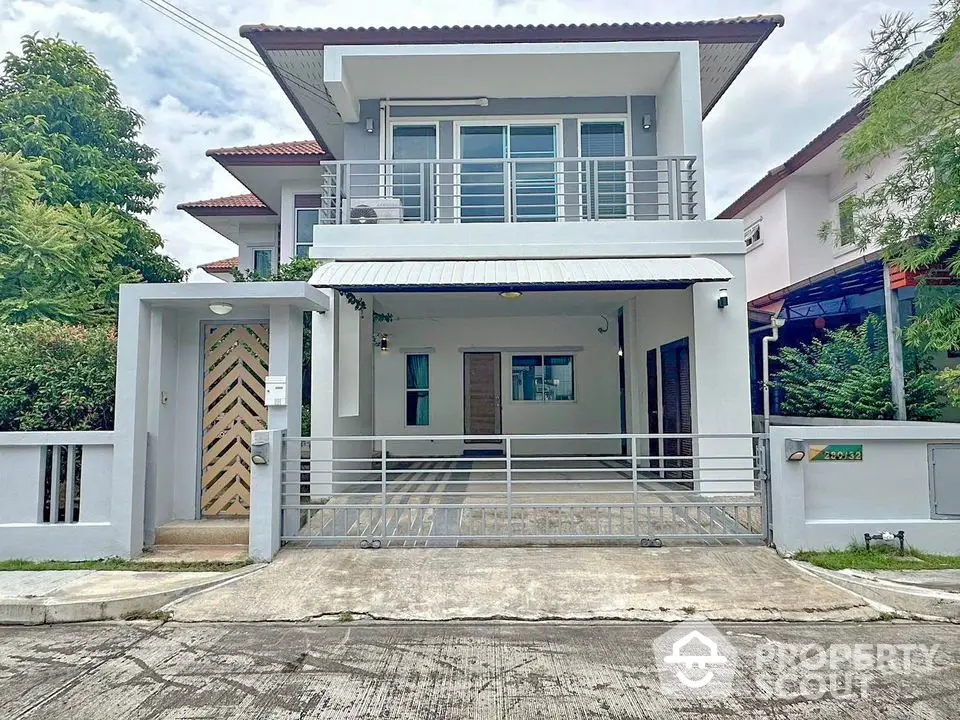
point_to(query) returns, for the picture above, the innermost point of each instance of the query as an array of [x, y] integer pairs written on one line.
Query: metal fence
[[511, 190], [436, 491]]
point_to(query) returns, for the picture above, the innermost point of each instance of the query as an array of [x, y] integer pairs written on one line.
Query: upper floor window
[[845, 220], [309, 209], [263, 262], [752, 237], [604, 182], [411, 181]]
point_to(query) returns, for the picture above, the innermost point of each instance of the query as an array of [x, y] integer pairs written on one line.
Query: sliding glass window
[[412, 182]]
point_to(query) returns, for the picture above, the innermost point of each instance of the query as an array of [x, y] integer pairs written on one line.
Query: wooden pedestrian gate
[[235, 363]]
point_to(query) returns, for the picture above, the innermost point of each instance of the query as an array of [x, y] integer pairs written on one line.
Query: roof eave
[[199, 212]]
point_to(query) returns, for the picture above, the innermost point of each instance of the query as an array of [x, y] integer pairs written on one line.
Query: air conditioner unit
[[364, 211]]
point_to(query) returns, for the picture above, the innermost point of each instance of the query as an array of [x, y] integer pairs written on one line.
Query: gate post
[[266, 482]]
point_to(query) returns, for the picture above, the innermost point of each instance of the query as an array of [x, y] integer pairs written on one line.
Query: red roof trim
[[221, 266], [232, 205], [299, 152]]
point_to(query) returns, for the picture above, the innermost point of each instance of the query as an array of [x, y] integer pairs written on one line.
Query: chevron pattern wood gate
[[235, 362]]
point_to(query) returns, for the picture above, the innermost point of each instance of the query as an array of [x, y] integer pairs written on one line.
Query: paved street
[[401, 671]]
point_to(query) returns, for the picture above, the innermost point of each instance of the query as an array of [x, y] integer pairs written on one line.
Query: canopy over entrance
[[499, 275]]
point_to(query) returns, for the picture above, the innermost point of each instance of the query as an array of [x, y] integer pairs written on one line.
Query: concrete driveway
[[676, 583]]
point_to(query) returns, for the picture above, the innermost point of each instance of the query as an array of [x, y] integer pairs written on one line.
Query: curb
[[48, 611], [909, 601]]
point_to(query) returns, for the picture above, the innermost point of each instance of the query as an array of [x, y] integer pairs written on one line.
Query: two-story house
[[518, 212], [811, 281]]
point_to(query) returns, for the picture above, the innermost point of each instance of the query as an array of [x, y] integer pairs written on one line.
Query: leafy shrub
[[57, 377], [847, 375]]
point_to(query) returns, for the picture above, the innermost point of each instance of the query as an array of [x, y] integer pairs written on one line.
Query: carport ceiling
[[406, 306]]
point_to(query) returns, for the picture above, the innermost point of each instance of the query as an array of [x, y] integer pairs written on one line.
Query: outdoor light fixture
[[384, 343], [221, 308], [647, 121], [369, 125], [620, 352], [511, 294], [796, 450], [722, 299], [258, 453]]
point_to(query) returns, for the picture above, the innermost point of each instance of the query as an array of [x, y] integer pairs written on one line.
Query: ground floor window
[[418, 390], [542, 378]]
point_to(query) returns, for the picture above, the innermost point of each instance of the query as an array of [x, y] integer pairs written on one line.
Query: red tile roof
[[297, 147], [248, 200], [221, 266]]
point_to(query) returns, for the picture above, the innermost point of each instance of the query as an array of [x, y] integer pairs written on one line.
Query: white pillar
[[130, 422], [323, 398], [894, 346], [265, 497], [720, 379]]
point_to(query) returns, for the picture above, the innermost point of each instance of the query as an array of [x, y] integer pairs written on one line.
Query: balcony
[[535, 190]]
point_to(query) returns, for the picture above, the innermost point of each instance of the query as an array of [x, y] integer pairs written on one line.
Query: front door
[[235, 361], [481, 393]]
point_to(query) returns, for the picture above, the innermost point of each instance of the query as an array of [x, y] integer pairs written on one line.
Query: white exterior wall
[[828, 505], [595, 409], [257, 237], [768, 264]]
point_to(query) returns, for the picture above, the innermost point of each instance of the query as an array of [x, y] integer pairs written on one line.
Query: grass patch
[[121, 564], [879, 557]]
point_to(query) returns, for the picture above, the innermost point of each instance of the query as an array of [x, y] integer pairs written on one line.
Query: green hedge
[[57, 377]]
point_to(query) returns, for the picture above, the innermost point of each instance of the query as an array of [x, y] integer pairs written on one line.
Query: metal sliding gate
[[456, 491]]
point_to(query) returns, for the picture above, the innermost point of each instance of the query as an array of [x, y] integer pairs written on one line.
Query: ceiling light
[[511, 294], [221, 308]]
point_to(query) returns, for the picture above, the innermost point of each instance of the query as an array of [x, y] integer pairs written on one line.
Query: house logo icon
[[693, 641], [694, 659]]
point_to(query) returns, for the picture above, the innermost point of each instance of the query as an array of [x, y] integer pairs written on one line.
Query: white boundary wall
[[824, 505], [23, 464]]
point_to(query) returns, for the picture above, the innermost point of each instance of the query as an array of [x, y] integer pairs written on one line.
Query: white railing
[[514, 190], [404, 491], [55, 495]]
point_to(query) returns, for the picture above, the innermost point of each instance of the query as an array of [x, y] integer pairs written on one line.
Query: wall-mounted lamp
[[647, 121], [384, 343], [259, 452], [722, 299], [795, 450], [369, 125], [221, 308], [620, 352]]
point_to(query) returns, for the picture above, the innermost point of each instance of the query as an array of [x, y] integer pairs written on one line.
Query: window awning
[[491, 275]]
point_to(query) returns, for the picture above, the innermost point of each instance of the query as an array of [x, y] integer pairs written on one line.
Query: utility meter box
[[276, 391]]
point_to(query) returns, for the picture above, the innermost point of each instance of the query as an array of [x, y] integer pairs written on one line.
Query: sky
[[195, 96]]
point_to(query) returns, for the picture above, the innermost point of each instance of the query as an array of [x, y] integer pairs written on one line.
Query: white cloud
[[195, 96]]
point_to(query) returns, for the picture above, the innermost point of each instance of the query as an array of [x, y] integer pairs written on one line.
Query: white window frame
[[386, 187], [755, 225], [627, 120], [838, 249], [408, 390], [543, 355], [254, 249], [507, 121], [296, 227]]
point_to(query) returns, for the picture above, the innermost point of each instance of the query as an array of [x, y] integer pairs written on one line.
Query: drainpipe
[[775, 326]]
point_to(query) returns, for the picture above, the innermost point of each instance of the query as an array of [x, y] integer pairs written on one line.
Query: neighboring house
[[812, 283], [520, 210]]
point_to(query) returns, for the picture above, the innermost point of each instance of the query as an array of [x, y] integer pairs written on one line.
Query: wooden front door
[[481, 393], [235, 362]]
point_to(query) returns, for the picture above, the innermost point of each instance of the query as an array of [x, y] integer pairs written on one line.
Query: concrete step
[[193, 554], [204, 532]]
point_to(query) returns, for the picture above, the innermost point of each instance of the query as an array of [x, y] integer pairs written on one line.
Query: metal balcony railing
[[485, 190]]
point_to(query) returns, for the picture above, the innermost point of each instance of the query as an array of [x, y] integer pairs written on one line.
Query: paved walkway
[[490, 671], [527, 583]]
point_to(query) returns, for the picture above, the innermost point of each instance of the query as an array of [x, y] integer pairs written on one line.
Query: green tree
[[847, 376], [58, 106], [56, 262], [913, 115]]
